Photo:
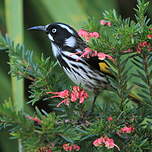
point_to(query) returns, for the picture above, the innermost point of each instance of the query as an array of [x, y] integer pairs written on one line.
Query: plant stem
[[147, 73], [14, 23]]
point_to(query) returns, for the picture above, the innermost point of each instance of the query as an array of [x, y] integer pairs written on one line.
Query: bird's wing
[[100, 65]]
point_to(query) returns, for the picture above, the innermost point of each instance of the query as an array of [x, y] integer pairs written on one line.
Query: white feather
[[55, 49], [74, 56], [50, 37], [67, 28], [71, 41]]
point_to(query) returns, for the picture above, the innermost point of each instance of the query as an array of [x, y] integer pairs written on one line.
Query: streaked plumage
[[91, 73], [82, 71]]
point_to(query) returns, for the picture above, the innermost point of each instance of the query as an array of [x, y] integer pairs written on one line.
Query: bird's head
[[61, 34]]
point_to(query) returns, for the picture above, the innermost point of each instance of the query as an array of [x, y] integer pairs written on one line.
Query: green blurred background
[[17, 15]]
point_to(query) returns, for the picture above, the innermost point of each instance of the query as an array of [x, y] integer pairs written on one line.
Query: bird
[[90, 73]]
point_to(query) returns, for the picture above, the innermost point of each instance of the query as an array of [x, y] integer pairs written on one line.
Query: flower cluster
[[68, 147], [105, 141], [105, 23], [77, 93], [87, 53], [88, 35], [142, 45], [126, 129], [35, 119]]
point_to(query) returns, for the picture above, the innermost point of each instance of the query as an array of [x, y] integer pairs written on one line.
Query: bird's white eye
[[54, 30]]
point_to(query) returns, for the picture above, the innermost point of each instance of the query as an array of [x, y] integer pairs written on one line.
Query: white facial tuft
[[50, 37], [67, 28], [71, 41], [55, 49]]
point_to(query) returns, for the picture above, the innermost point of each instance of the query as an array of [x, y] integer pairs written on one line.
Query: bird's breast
[[78, 70]]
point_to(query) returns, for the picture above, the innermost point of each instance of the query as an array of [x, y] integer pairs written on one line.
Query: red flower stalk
[[105, 141], [127, 51], [110, 118], [65, 101], [88, 35], [126, 129], [35, 119], [149, 36], [61, 94], [76, 94], [105, 23], [68, 147]]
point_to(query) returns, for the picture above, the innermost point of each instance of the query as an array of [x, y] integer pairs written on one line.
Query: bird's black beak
[[39, 28]]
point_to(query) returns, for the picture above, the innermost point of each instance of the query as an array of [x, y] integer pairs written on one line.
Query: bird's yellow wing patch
[[104, 67]]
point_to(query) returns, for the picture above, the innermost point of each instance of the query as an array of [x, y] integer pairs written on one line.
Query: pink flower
[[83, 33], [62, 94], [83, 95], [76, 147], [88, 35], [105, 23], [65, 147], [109, 24], [103, 56], [142, 45], [65, 101], [35, 119], [94, 34], [68, 147], [110, 118], [87, 53], [127, 129], [77, 93], [98, 142], [149, 36], [109, 143], [105, 141]]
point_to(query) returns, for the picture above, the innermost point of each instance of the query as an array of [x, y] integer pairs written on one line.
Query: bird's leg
[[92, 105]]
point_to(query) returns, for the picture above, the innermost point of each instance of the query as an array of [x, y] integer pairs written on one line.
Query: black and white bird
[[90, 73]]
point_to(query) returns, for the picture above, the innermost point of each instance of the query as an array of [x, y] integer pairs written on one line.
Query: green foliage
[[23, 66], [70, 124], [144, 73], [9, 116]]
